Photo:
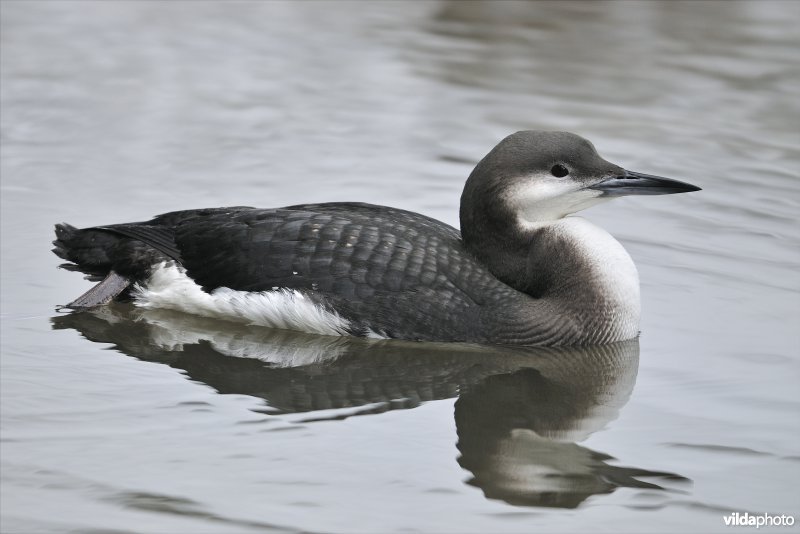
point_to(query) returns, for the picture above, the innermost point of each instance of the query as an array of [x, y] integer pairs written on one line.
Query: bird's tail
[[87, 251]]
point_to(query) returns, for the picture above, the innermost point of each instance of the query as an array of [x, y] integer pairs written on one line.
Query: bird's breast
[[599, 282]]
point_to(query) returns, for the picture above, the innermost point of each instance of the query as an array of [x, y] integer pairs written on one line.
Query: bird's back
[[386, 271]]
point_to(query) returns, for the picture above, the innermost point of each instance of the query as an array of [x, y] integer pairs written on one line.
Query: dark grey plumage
[[386, 270], [374, 265]]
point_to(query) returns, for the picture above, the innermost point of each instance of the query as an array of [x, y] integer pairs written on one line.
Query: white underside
[[170, 288]]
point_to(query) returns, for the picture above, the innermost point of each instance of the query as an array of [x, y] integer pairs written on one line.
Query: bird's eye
[[559, 171]]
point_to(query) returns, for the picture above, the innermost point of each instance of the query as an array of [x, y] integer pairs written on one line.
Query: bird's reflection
[[519, 412], [518, 432]]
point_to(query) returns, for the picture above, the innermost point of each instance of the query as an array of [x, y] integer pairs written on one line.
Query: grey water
[[132, 421]]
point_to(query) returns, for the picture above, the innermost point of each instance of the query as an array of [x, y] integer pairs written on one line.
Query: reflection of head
[[515, 432]]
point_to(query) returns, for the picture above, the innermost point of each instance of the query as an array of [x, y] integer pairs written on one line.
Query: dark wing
[[399, 268], [350, 249], [159, 237], [159, 232]]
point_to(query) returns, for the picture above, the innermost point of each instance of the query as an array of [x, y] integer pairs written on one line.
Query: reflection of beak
[[635, 183]]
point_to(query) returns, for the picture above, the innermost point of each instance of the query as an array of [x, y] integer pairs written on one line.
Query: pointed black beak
[[636, 183]]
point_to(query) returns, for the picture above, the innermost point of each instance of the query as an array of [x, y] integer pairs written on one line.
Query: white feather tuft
[[170, 288]]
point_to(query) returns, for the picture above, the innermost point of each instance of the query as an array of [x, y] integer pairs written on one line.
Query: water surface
[[128, 422]]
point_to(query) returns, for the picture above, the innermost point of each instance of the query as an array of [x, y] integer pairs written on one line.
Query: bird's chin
[[556, 208]]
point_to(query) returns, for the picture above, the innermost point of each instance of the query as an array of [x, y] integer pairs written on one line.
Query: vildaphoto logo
[[737, 519]]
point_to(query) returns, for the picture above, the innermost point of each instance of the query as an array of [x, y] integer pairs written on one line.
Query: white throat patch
[[545, 198]]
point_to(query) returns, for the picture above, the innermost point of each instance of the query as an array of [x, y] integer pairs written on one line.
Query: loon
[[520, 272]]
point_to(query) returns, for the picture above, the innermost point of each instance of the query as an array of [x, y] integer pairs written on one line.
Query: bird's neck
[[578, 267]]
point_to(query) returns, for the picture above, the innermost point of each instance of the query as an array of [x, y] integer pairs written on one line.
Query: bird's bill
[[636, 183]]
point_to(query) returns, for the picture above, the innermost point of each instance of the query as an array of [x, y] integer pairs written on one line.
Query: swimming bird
[[521, 271]]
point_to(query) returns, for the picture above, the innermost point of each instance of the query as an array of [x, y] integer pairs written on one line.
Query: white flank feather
[[170, 288]]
